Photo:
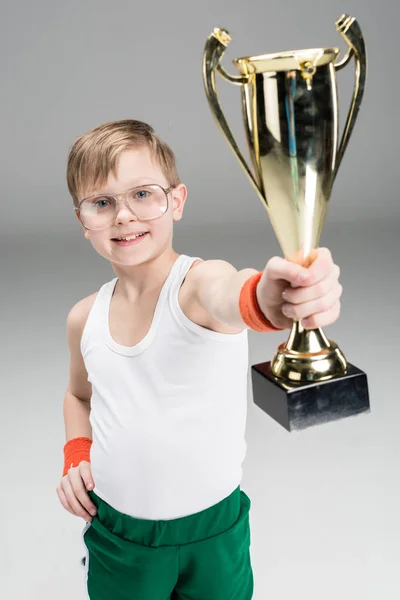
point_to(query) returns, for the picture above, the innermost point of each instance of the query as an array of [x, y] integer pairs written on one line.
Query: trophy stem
[[308, 356]]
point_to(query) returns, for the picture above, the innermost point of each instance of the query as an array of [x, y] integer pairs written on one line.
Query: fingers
[[76, 496], [319, 305], [63, 499], [85, 480], [300, 295], [80, 492], [86, 474], [320, 268], [322, 319], [280, 268], [72, 500]]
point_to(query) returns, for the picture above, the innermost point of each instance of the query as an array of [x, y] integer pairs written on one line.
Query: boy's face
[[136, 167]]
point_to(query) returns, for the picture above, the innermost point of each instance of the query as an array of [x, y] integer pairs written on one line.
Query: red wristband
[[75, 451], [250, 310]]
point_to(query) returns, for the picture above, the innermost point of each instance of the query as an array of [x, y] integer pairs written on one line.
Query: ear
[[178, 196]]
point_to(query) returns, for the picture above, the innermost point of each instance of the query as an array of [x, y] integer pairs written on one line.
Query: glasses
[[146, 202]]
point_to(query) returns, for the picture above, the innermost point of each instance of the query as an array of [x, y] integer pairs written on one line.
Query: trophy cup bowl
[[290, 115]]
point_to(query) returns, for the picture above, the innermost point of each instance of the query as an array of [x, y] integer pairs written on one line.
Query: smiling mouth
[[130, 238]]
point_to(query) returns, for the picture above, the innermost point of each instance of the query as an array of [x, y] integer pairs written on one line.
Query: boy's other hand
[[72, 491], [288, 291]]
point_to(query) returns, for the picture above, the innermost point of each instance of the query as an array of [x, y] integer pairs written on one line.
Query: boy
[[155, 410]]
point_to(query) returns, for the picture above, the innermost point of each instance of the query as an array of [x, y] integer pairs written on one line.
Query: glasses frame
[[125, 201]]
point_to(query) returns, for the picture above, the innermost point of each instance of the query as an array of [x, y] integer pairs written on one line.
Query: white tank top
[[168, 415]]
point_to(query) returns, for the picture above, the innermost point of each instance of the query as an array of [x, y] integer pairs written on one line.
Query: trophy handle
[[215, 47], [350, 31]]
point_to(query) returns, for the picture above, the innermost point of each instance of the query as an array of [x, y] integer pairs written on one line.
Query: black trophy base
[[308, 404]]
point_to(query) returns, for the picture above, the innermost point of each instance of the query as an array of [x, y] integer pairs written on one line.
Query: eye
[[100, 202], [142, 194]]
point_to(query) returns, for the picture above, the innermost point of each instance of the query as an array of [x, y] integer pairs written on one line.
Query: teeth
[[132, 237]]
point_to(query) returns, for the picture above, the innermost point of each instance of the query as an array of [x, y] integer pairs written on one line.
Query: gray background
[[325, 502]]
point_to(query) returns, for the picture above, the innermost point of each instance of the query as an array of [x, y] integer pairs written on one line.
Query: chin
[[134, 257]]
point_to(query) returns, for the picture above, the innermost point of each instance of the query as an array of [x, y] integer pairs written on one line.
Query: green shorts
[[204, 556]]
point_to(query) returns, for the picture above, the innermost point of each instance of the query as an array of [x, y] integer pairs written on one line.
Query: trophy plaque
[[290, 115]]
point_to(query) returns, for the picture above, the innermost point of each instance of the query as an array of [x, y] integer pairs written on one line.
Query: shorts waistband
[[184, 530]]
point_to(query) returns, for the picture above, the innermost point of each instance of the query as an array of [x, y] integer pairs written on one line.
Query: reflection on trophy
[[290, 113]]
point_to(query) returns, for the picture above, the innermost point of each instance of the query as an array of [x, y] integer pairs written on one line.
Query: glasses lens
[[147, 202], [98, 212]]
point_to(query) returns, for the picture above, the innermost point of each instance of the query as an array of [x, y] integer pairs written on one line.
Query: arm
[[216, 287], [79, 391], [285, 291], [76, 480], [76, 417]]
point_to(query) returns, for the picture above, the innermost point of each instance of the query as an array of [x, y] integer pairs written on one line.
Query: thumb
[[86, 474]]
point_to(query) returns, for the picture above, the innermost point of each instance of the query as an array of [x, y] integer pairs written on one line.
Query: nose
[[123, 212]]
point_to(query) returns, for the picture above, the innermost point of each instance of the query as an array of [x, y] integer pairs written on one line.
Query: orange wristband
[[75, 451], [250, 310]]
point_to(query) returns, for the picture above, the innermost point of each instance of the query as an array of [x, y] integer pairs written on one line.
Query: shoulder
[[78, 314], [200, 274], [203, 271]]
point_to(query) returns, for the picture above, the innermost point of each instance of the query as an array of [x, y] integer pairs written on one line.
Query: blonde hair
[[95, 154]]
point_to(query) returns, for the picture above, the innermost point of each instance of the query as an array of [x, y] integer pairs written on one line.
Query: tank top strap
[[96, 320], [185, 262], [174, 281], [175, 278]]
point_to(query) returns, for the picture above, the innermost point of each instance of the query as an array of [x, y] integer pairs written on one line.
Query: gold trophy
[[290, 113]]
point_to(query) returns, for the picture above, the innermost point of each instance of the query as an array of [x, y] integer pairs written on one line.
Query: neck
[[135, 280]]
